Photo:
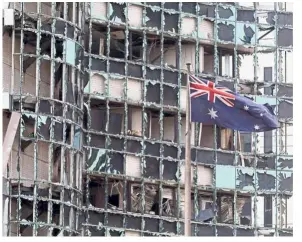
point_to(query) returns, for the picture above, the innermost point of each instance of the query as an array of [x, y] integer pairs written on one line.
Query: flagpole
[[188, 210]]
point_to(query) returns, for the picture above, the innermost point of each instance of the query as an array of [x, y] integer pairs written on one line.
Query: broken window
[[153, 73], [285, 212], [267, 208], [171, 22], [170, 151], [135, 70], [152, 149], [98, 64], [245, 142], [286, 133], [206, 211], [114, 198], [170, 170], [287, 66], [170, 95], [169, 202], [167, 40], [169, 127], [70, 52], [116, 119], [265, 142], [98, 121], [226, 212], [117, 14], [135, 46], [245, 34], [266, 73], [246, 15], [151, 197], [154, 125], [227, 68], [99, 43], [245, 179], [136, 198], [116, 122], [208, 63], [97, 38], [207, 10], [285, 179], [226, 31], [226, 12], [117, 67], [153, 92], [171, 5], [225, 209], [169, 51], [170, 77], [226, 141], [225, 158], [152, 168], [168, 122], [117, 43], [135, 121], [285, 110], [266, 180], [153, 18], [268, 205], [266, 35], [189, 7], [285, 37], [285, 91]]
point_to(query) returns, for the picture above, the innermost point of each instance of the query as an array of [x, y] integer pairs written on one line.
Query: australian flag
[[214, 104]]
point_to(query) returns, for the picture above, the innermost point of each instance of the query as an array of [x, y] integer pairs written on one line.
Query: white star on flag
[[256, 127], [212, 113], [261, 114], [246, 107]]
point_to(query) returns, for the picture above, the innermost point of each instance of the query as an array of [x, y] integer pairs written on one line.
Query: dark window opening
[[114, 200], [225, 139], [135, 47], [245, 142], [155, 208], [268, 212], [268, 203], [99, 118], [226, 209], [168, 205], [99, 42], [150, 196]]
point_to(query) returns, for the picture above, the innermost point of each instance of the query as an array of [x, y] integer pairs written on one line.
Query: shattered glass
[[107, 82]]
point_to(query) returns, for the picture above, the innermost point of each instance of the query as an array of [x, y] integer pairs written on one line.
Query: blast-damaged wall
[[101, 140], [43, 73]]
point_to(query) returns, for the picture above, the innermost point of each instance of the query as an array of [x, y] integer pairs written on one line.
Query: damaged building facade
[[94, 105]]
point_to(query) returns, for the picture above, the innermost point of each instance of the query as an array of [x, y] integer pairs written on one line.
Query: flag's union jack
[[200, 88]]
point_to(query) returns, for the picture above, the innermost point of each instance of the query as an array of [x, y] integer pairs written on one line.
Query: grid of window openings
[[122, 91], [135, 97], [43, 72]]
